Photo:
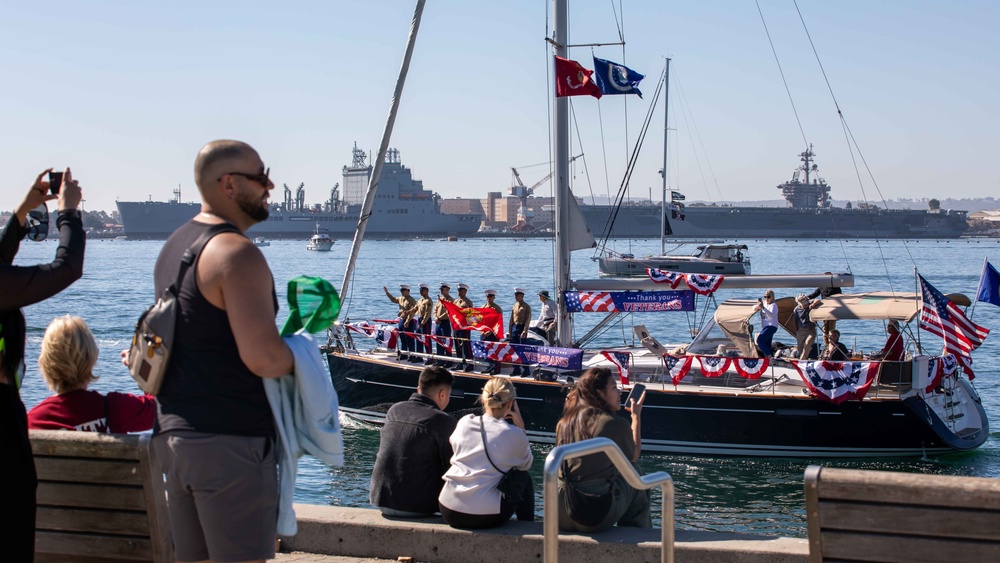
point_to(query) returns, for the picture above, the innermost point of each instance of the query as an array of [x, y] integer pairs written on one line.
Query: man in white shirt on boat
[[546, 315]]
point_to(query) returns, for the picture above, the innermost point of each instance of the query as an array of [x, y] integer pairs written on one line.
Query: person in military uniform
[[463, 347], [407, 307], [442, 323], [422, 320], [494, 367], [520, 314]]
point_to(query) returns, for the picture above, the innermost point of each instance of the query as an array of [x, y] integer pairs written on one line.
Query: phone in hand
[[636, 393], [55, 182]]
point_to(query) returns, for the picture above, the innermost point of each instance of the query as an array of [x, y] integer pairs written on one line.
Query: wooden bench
[[856, 515], [99, 499]]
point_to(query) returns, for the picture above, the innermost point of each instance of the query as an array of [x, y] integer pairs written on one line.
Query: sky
[[127, 92]]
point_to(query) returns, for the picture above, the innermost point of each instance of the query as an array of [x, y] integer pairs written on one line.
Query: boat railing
[[550, 493]]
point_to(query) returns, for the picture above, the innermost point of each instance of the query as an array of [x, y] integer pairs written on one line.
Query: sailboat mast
[[562, 193], [666, 112], [366, 208]]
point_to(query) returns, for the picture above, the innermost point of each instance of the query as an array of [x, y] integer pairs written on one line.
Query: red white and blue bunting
[[665, 276], [713, 366], [677, 367], [621, 361], [837, 382], [938, 368], [751, 368], [704, 284]]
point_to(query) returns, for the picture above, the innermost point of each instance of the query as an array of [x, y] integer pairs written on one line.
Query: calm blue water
[[754, 495]]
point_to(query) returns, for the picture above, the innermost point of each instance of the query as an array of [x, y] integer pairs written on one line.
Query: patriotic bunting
[[751, 368], [386, 336], [496, 351], [361, 327], [589, 302], [704, 284], [665, 276], [621, 361], [677, 367], [938, 368], [628, 301], [713, 366], [837, 382], [943, 318], [444, 341]]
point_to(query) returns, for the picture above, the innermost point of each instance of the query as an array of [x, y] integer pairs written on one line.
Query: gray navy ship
[[808, 214], [403, 209]]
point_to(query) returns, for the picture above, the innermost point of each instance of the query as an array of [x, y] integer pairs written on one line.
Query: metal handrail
[[550, 493]]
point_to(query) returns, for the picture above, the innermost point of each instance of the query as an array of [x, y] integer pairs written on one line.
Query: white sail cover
[[580, 236]]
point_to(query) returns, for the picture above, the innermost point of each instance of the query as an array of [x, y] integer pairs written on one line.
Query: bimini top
[[878, 305]]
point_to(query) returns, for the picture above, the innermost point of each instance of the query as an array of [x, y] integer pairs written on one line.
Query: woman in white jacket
[[469, 498]]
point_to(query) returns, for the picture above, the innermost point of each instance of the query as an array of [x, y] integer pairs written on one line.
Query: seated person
[[69, 353], [470, 498], [414, 452], [546, 315], [835, 349], [893, 349]]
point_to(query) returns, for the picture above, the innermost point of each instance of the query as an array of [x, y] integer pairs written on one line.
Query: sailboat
[[714, 395], [708, 258]]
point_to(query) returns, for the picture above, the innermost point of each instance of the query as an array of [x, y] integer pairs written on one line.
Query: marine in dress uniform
[[405, 326], [494, 367], [520, 314], [422, 320], [463, 347], [442, 322]]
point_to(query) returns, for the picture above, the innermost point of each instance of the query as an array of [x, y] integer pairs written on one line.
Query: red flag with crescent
[[469, 318]]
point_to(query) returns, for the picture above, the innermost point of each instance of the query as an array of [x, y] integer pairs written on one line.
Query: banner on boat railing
[[628, 301], [545, 356]]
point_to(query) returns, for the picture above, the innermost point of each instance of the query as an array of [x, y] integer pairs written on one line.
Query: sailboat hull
[[736, 422]]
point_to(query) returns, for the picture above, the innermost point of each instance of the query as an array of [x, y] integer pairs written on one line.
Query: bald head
[[218, 158]]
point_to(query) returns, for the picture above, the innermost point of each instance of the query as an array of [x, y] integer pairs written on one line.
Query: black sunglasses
[[38, 223], [261, 179]]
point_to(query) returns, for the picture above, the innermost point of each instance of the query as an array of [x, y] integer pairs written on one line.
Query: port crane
[[522, 192]]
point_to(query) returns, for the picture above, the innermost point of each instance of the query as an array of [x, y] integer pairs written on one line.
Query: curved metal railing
[[550, 493]]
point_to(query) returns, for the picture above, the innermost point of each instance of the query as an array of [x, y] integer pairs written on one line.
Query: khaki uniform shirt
[[440, 313], [407, 306], [424, 310], [463, 302], [520, 314]]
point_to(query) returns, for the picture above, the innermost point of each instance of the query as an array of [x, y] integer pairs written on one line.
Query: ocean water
[[758, 495]]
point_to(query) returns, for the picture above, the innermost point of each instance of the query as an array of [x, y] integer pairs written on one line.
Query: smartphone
[[636, 393], [55, 182]]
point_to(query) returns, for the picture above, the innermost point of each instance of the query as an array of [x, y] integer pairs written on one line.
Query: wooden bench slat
[[892, 487], [75, 470], [115, 523], [85, 444], [91, 496], [905, 549], [86, 545], [911, 520]]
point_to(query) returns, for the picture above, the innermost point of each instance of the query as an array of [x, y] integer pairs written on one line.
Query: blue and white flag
[[613, 78], [989, 285]]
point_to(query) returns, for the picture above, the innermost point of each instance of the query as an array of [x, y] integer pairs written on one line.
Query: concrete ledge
[[360, 532]]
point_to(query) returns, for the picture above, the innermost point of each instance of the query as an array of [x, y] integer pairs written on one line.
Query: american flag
[[621, 361], [943, 318], [589, 302], [499, 351]]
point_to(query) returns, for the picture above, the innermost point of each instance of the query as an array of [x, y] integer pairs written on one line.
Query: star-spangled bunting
[[703, 284], [751, 368], [444, 341], [938, 368], [713, 366], [621, 361], [677, 367], [497, 351], [589, 302], [665, 276], [941, 317], [837, 382]]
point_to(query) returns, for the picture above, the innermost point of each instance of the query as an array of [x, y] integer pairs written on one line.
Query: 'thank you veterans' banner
[[546, 356], [628, 301]]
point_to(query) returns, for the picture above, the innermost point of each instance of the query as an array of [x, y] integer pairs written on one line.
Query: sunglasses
[[38, 223], [261, 179]]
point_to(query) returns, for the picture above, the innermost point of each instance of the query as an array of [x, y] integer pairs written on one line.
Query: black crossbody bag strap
[[482, 429], [191, 254]]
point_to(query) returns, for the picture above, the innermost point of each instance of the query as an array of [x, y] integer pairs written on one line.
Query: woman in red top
[[893, 350], [67, 360]]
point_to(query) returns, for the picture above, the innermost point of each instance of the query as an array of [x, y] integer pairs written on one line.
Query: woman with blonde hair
[[486, 447], [69, 353], [593, 495]]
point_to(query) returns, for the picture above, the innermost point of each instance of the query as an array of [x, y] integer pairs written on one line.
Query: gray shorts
[[222, 495]]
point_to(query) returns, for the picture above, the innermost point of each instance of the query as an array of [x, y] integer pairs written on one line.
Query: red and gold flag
[[483, 320], [574, 80]]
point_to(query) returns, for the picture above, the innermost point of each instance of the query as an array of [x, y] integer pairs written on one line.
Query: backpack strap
[[190, 255]]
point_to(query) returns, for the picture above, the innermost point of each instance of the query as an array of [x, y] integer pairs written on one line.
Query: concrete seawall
[[360, 532]]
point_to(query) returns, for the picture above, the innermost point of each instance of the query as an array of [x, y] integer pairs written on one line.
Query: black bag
[[514, 484], [585, 508], [153, 339]]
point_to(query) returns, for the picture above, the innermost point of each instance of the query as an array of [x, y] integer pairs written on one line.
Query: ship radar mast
[[810, 193]]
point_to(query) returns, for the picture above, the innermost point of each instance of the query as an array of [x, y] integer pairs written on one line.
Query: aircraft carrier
[[402, 209], [808, 215]]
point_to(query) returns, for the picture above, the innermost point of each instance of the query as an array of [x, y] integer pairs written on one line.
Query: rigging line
[[686, 106], [697, 158], [549, 101], [850, 135], [782, 72]]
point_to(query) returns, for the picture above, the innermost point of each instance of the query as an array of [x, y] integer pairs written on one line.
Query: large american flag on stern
[[589, 302], [943, 318]]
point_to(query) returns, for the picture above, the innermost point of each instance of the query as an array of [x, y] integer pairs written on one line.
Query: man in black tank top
[[214, 429]]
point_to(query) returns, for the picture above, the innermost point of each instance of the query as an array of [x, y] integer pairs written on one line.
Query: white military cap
[[424, 286], [518, 290], [462, 286], [492, 292], [403, 286], [445, 284]]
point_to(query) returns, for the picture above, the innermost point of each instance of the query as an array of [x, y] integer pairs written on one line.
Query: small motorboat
[[320, 241], [261, 241]]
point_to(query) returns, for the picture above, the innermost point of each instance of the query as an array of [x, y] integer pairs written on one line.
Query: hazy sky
[[127, 92]]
